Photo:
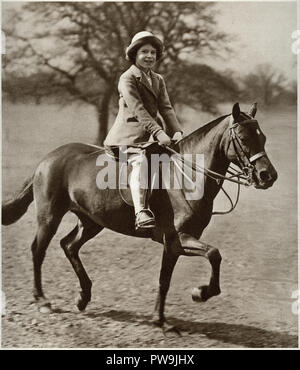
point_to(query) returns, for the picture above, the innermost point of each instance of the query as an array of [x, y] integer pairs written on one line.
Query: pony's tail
[[15, 208]]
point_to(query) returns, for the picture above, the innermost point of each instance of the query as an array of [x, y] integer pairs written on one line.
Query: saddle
[[147, 147]]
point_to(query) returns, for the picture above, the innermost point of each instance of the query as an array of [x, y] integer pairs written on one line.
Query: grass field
[[258, 243]]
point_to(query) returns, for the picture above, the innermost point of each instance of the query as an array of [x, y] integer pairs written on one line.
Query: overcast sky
[[263, 34], [263, 31]]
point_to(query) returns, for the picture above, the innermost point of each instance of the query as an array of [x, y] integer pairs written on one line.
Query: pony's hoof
[[81, 303], [200, 294], [45, 310], [158, 323], [165, 326], [168, 328], [44, 307]]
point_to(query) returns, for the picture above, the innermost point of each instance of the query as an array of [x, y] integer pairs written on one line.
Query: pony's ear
[[236, 111], [253, 110]]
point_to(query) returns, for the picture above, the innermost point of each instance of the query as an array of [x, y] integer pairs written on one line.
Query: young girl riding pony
[[143, 95]]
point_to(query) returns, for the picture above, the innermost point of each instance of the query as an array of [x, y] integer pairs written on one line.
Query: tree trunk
[[103, 117]]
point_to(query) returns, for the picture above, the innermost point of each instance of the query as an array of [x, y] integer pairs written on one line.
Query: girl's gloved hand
[[177, 136], [163, 138]]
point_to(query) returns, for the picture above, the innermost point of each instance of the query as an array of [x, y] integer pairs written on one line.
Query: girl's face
[[146, 57]]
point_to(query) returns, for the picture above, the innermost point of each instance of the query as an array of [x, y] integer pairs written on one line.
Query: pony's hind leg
[[71, 244], [46, 229]]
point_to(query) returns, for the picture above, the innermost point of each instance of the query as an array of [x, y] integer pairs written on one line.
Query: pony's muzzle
[[266, 178]]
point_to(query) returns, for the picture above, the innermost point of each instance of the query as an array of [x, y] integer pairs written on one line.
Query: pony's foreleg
[[71, 245], [169, 260], [193, 247]]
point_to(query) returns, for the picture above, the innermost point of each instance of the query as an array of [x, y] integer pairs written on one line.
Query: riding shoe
[[144, 219]]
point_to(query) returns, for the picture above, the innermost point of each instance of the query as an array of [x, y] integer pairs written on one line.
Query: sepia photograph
[[149, 176]]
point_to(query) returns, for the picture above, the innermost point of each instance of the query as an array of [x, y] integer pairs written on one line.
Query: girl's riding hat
[[140, 39]]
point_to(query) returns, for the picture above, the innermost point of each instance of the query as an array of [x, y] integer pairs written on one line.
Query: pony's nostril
[[264, 175]]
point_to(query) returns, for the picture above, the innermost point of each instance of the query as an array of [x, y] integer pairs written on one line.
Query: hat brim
[[132, 48]]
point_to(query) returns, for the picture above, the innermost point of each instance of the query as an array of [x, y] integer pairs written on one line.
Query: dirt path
[[254, 309]]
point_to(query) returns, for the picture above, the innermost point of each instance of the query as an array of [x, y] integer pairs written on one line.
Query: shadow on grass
[[238, 334]]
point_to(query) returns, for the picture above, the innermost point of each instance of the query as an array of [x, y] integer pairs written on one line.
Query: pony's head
[[246, 147]]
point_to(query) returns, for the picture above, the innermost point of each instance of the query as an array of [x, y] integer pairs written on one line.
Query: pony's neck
[[211, 141]]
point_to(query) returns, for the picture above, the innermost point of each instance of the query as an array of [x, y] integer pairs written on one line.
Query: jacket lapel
[[142, 78], [155, 83]]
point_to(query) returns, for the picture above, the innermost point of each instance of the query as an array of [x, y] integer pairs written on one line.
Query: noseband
[[245, 161]]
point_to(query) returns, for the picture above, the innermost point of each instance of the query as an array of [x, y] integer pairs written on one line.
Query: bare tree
[[264, 84], [203, 88], [75, 50]]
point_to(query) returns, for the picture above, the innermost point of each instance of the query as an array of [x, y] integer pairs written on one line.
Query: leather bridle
[[245, 161]]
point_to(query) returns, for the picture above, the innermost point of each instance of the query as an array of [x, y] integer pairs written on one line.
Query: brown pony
[[65, 180]]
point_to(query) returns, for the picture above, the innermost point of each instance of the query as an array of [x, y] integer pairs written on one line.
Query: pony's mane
[[201, 131]]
